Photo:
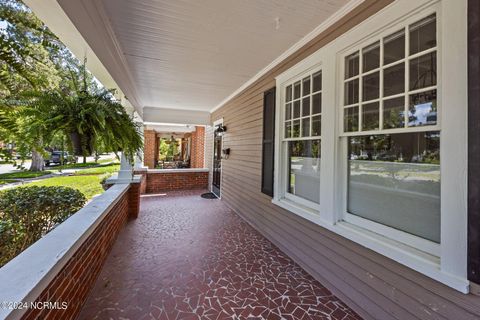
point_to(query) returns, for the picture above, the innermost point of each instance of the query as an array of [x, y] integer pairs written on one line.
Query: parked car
[[60, 157]]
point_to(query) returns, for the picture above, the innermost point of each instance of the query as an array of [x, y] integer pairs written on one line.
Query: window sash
[[405, 26]]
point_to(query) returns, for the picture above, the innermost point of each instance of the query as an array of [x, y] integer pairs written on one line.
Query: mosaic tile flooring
[[191, 258]]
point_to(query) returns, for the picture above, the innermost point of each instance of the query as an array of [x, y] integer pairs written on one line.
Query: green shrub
[[28, 213]]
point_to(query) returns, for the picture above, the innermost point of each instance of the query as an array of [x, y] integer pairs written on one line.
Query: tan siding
[[375, 286]]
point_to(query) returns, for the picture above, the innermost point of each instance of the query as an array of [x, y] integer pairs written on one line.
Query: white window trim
[[305, 206], [447, 262]]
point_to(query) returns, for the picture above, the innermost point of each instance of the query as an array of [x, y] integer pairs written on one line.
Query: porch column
[[139, 164]]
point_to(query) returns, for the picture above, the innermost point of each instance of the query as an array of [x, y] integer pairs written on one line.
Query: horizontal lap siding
[[376, 287]]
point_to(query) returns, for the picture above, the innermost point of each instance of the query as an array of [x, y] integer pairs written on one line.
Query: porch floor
[[191, 258]]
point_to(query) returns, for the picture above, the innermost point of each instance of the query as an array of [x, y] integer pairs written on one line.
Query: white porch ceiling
[[190, 54]]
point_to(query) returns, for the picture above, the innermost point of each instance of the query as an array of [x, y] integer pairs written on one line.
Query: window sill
[[417, 260]]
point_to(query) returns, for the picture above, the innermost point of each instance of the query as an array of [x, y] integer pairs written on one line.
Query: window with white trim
[[390, 109], [302, 133], [388, 118]]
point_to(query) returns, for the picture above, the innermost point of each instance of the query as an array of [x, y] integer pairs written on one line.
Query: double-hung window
[[301, 142], [390, 119], [371, 137]]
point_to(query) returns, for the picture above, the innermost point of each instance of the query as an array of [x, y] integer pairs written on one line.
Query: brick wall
[[150, 149], [198, 148], [159, 182], [73, 283], [143, 183]]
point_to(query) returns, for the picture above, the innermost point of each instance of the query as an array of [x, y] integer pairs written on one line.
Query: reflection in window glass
[[288, 129], [306, 86], [305, 127], [304, 169], [394, 113], [317, 81], [351, 92], [394, 180], [423, 71], [371, 86], [423, 35], [422, 109], [371, 57], [352, 65], [316, 126], [317, 103], [288, 111], [296, 90], [370, 116], [306, 106], [394, 47], [394, 80], [296, 109], [350, 119], [288, 93], [296, 129]]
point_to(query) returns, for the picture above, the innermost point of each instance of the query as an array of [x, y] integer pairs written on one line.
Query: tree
[[26, 45]]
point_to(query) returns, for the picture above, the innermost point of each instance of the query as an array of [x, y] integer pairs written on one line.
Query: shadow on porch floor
[[191, 258]]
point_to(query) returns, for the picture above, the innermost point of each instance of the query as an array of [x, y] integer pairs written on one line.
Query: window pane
[[394, 180], [317, 103], [288, 111], [306, 127], [423, 35], [288, 129], [288, 93], [393, 113], [296, 90], [370, 116], [316, 126], [317, 81], [394, 80], [371, 86], [351, 92], [371, 57], [296, 109], [306, 106], [423, 71], [351, 65], [394, 47], [304, 169], [350, 119], [422, 110], [306, 86], [296, 129]]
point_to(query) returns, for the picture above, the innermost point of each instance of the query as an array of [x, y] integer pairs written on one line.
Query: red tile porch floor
[[191, 258]]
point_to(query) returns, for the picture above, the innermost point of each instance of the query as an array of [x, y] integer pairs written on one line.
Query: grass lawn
[[87, 181], [81, 165], [88, 185], [23, 174]]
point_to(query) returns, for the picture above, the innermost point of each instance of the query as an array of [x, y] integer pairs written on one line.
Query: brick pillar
[[134, 200], [198, 148], [150, 148]]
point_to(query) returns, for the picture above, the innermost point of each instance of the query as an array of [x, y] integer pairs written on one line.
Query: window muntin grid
[[383, 90], [303, 108]]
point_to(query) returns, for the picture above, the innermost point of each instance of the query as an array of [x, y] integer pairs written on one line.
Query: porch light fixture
[[221, 129]]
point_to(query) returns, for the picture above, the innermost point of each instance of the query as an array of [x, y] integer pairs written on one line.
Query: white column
[[138, 160]]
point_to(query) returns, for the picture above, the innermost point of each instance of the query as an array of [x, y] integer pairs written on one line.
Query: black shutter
[[268, 142], [473, 142]]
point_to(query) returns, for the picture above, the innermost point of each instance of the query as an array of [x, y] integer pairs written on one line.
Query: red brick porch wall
[[198, 148], [73, 283], [160, 181]]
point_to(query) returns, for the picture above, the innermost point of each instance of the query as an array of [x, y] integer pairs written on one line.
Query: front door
[[217, 163]]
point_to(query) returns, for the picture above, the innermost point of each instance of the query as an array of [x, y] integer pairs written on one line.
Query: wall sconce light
[[221, 129]]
